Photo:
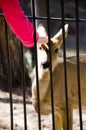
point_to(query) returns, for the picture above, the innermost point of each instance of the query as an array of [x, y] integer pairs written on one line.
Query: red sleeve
[[18, 22]]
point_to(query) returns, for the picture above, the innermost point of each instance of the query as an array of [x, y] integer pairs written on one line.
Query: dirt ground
[[32, 117]]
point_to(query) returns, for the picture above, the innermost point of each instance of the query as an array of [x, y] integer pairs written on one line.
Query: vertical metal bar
[[78, 65], [37, 82], [9, 77], [65, 68], [23, 86], [51, 84]]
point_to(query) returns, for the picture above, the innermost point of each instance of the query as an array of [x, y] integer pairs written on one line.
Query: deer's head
[[44, 49]]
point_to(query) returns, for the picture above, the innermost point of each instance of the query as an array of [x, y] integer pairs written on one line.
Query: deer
[[58, 79]]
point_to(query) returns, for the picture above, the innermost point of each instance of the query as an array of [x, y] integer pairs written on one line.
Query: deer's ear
[[41, 30], [58, 38], [60, 33]]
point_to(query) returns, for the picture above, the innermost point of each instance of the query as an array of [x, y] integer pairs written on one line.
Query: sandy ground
[[32, 117]]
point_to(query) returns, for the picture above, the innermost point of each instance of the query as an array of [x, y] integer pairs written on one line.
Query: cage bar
[[9, 77], [23, 86], [78, 64], [51, 84], [37, 82], [65, 67]]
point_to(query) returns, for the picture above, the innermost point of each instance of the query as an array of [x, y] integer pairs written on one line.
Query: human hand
[[42, 40]]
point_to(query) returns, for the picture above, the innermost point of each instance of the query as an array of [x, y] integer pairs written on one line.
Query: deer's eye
[[56, 50], [40, 47], [47, 51]]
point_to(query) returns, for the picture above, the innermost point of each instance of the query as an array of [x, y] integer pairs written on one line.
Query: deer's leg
[[58, 121], [71, 119], [64, 119]]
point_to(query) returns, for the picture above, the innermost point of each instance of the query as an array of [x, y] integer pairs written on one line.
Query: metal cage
[[48, 18]]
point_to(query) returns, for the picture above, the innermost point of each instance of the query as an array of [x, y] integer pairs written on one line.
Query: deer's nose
[[45, 65]]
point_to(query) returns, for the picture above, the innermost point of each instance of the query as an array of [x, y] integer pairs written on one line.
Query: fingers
[[43, 40]]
